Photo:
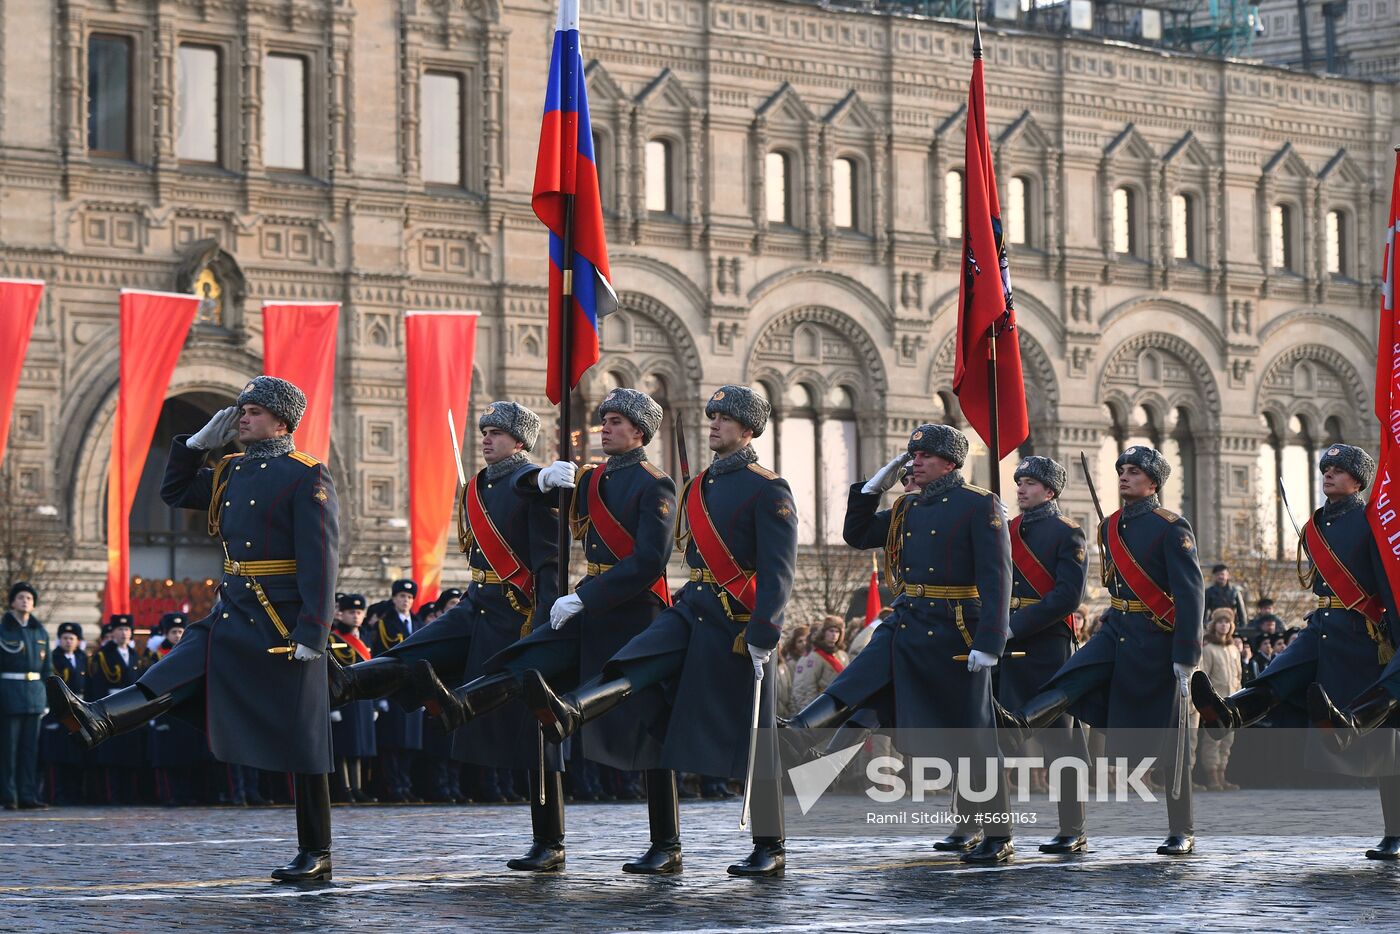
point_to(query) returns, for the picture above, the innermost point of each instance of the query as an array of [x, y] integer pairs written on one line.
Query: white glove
[[373, 716], [759, 657], [565, 609], [305, 653], [336, 716], [1183, 677], [977, 660], [221, 430], [887, 476], [557, 474]]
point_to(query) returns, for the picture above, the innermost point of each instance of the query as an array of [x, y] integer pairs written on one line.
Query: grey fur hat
[[637, 407], [943, 441], [1049, 472], [1149, 460], [514, 419], [278, 396], [1352, 459], [742, 404]]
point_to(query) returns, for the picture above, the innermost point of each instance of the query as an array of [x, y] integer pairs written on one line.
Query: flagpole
[[994, 442], [566, 354]]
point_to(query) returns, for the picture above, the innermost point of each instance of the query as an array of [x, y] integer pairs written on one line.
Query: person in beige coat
[[820, 667], [1220, 660]]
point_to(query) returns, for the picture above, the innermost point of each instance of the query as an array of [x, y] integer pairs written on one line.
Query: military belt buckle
[[236, 567]]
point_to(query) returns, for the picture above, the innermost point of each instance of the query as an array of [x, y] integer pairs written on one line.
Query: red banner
[[19, 308], [984, 300], [1382, 509], [153, 330], [299, 346], [440, 349]]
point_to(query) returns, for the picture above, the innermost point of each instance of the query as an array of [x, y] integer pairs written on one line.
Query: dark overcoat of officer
[[24, 664]]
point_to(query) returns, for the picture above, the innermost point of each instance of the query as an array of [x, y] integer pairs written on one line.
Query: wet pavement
[[408, 868]]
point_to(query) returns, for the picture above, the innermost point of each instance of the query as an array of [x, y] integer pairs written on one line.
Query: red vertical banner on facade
[[299, 346], [153, 328], [1384, 507], [19, 308], [440, 349]]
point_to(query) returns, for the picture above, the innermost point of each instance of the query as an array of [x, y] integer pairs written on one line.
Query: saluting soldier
[[1134, 672], [352, 726], [949, 558], [1049, 565], [1347, 641], [738, 526], [24, 663], [398, 732], [275, 513], [59, 754], [511, 536], [624, 512]]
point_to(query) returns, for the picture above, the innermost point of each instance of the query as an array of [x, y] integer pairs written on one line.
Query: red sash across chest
[[1338, 578], [619, 542], [1035, 573], [493, 545], [1140, 582], [740, 584]]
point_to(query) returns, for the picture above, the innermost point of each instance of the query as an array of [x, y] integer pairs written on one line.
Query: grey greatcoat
[[259, 710]]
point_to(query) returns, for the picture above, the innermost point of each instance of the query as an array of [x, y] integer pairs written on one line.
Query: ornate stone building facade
[[1195, 242]]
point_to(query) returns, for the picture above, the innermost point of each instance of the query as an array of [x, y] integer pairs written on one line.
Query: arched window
[[659, 177], [1125, 222], [1015, 213], [953, 205], [777, 186], [843, 193], [1337, 259], [1184, 227], [1281, 237]]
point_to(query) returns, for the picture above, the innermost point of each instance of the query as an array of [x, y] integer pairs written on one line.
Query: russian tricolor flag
[[565, 167]]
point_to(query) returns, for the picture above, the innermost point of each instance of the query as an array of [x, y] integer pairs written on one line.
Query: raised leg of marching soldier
[[275, 512], [716, 641], [1133, 674], [1339, 649], [624, 513], [1049, 564], [948, 552]]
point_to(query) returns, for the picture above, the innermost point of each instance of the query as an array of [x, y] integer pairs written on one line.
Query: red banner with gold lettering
[[19, 308], [1384, 508], [441, 347], [153, 327], [299, 346]]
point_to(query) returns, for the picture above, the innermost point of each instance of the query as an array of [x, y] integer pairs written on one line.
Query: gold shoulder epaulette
[[654, 470], [1167, 514], [582, 472], [980, 491], [303, 458], [1069, 522], [229, 457], [763, 472]]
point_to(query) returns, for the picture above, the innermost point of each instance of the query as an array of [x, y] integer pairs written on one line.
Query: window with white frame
[[1281, 237], [284, 112], [197, 103], [777, 187], [953, 205], [843, 193], [1014, 214], [659, 177], [1337, 259], [1184, 227], [440, 128], [1125, 237]]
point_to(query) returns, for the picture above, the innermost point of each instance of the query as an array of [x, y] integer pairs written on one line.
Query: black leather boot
[[560, 716], [1178, 844], [547, 822], [1346, 726], [1219, 714], [1039, 712], [768, 858], [1066, 843], [483, 695], [100, 720], [385, 675], [663, 857], [313, 809], [1389, 847], [990, 850], [823, 712]]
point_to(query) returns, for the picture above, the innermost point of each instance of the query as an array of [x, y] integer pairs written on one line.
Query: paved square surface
[[442, 869]]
